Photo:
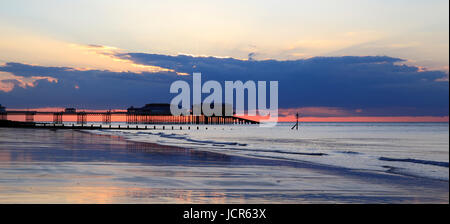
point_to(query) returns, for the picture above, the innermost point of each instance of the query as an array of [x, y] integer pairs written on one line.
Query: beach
[[69, 166]]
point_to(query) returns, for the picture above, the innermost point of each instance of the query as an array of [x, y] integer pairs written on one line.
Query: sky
[[361, 58]]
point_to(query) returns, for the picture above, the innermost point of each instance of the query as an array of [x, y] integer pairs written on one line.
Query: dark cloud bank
[[380, 86]]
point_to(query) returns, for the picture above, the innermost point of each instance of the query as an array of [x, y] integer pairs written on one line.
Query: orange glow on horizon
[[356, 119], [290, 118]]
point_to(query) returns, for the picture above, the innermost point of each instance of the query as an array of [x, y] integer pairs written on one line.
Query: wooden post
[[296, 124]]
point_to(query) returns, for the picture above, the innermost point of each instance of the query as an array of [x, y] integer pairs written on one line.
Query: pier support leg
[[81, 118], [3, 116], [132, 118], [106, 118], [29, 117], [58, 118]]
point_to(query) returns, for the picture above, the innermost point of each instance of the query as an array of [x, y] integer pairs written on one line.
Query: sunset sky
[[340, 60]]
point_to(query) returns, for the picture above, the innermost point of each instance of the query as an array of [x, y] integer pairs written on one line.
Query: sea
[[416, 149], [318, 163]]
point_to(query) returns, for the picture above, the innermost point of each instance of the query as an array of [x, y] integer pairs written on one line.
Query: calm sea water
[[419, 149], [320, 163]]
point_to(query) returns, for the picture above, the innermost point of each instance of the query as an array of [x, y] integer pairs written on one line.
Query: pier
[[132, 118], [150, 114], [53, 126]]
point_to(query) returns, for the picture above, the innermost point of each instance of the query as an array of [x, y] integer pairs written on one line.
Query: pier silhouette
[[149, 114]]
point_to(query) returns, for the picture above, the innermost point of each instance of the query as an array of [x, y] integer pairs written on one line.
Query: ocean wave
[[222, 144], [348, 152], [282, 152], [186, 138], [418, 161]]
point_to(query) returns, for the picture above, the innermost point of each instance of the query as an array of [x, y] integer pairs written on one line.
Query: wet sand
[[66, 166]]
